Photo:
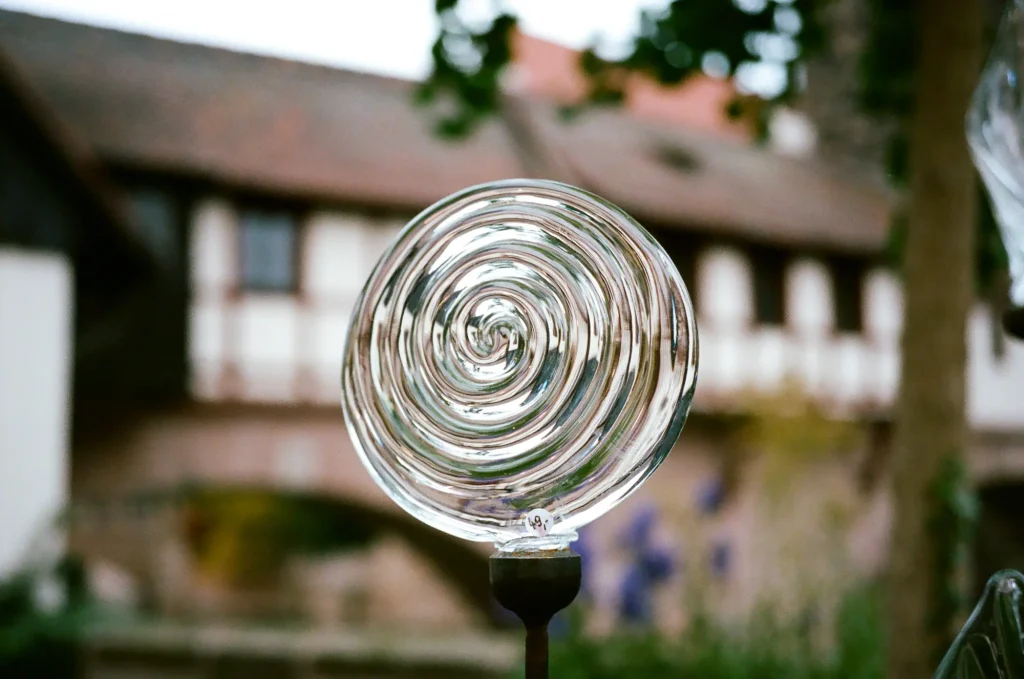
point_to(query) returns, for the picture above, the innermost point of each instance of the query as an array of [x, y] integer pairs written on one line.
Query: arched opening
[[245, 536], [999, 542]]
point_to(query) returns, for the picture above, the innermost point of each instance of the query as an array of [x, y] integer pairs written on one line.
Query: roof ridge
[[230, 52]]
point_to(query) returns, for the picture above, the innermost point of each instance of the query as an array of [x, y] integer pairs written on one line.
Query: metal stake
[[535, 587]]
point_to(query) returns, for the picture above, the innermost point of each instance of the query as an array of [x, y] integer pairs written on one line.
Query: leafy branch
[[684, 40]]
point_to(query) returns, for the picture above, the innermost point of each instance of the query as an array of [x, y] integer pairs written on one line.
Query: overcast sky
[[389, 37]]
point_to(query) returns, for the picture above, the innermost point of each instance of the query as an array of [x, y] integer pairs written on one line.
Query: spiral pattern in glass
[[522, 345]]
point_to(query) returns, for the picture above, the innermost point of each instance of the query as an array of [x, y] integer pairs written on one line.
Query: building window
[[848, 295], [268, 248], [769, 286], [156, 215]]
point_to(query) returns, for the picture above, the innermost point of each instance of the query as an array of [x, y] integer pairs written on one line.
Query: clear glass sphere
[[521, 359], [995, 133]]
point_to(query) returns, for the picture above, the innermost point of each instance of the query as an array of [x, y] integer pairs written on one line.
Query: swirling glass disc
[[522, 357]]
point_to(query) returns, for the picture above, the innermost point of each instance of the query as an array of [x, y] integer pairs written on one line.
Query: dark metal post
[[535, 587]]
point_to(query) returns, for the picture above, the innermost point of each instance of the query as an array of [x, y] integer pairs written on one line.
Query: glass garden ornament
[[995, 133], [991, 644], [521, 359]]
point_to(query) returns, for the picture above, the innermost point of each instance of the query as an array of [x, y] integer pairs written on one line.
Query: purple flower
[[635, 597], [657, 565], [711, 497], [638, 533], [651, 566], [721, 559]]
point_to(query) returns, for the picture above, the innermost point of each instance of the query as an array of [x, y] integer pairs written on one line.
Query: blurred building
[[69, 262], [265, 190]]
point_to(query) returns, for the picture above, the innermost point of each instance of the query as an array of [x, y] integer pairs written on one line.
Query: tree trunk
[[938, 271]]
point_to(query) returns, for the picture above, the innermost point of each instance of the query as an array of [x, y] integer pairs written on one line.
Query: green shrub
[[38, 640], [763, 649]]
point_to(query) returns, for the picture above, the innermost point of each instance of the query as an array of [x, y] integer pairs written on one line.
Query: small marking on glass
[[538, 522]]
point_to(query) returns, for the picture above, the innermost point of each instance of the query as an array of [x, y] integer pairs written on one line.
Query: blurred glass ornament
[[522, 358], [995, 134], [990, 645]]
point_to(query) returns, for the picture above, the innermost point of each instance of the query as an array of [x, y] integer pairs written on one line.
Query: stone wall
[[810, 526]]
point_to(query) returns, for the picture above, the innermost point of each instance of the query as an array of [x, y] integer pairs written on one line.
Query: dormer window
[[268, 246]]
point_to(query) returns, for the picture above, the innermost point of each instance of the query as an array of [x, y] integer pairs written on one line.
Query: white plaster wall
[[212, 271], [266, 330], [723, 286], [995, 386], [844, 369], [213, 257], [36, 307], [384, 233], [207, 345], [809, 303], [848, 370], [297, 462], [883, 307], [883, 376], [766, 363], [339, 255], [721, 354], [801, 350], [883, 325], [810, 363], [271, 336], [329, 330], [725, 280]]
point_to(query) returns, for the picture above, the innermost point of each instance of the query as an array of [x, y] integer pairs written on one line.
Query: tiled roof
[[551, 72], [296, 128], [669, 176]]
